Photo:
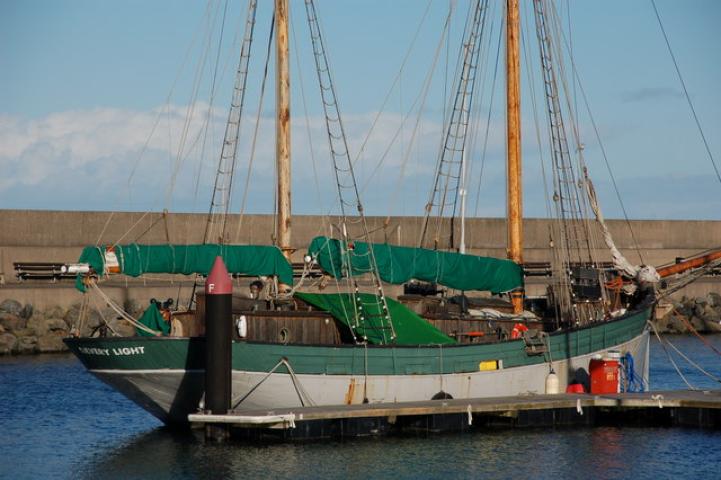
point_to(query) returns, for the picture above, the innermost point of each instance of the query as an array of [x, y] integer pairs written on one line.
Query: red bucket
[[575, 388], [604, 375]]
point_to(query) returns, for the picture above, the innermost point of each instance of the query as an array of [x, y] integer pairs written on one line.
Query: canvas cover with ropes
[[409, 327], [135, 260], [153, 319], [398, 265]]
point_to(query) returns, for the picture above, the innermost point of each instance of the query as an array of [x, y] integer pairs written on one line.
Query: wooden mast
[[282, 126], [513, 118]]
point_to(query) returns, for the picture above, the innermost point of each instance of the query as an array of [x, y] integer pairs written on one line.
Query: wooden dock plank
[[286, 417]]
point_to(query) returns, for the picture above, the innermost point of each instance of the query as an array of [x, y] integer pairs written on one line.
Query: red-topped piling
[[218, 346], [218, 281]]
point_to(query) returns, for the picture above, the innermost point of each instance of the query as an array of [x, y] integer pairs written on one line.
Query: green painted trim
[[136, 353]]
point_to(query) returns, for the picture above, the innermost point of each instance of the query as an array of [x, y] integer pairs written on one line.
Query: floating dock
[[698, 409]]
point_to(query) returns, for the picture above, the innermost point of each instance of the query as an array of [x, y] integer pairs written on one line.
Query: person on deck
[[256, 289]]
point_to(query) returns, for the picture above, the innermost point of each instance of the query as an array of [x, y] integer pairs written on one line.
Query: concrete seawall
[[59, 236]]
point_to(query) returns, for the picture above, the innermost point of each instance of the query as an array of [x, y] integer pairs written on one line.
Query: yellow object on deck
[[488, 365]]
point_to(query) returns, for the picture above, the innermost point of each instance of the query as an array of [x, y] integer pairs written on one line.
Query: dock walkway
[[700, 409]]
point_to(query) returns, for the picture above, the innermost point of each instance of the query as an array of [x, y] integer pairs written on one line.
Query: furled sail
[[398, 265], [135, 260], [642, 273]]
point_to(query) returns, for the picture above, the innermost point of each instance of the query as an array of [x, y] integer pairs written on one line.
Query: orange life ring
[[518, 330]]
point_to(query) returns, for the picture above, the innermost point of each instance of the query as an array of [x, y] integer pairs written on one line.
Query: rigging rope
[[591, 237], [223, 187], [190, 113], [361, 150], [169, 96], [160, 114], [555, 252], [348, 194], [325, 221], [256, 129], [422, 96], [602, 148], [486, 65], [690, 278], [117, 242], [208, 116], [567, 239], [685, 92], [488, 119], [445, 187]]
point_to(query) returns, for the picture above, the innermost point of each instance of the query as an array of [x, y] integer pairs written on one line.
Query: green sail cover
[[400, 264], [136, 260], [153, 319], [409, 327]]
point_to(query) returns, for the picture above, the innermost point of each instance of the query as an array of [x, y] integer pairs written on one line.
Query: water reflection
[[607, 453]]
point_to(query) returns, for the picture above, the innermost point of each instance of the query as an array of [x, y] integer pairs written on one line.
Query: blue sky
[[94, 96]]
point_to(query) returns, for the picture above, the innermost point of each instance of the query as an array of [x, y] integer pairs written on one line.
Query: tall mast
[[282, 125], [513, 99]]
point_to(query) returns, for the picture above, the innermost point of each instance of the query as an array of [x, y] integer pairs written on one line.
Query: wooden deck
[[700, 409]]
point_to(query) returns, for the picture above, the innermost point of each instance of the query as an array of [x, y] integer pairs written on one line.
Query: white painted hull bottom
[[171, 394], [278, 390]]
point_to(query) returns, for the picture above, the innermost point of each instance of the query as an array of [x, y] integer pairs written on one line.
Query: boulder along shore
[[25, 330]]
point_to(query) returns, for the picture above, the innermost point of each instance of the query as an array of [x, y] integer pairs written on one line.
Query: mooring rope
[[694, 331], [700, 369], [296, 384], [653, 327], [109, 301], [105, 321]]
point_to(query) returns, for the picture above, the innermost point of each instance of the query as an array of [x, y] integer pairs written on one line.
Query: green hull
[[157, 353]]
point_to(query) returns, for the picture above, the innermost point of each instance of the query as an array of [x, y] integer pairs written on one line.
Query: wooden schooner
[[305, 347]]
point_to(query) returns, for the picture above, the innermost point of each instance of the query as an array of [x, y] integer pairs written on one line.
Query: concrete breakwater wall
[[59, 236]]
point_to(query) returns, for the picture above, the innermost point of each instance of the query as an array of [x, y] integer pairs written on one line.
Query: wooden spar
[[282, 126], [513, 118], [689, 264]]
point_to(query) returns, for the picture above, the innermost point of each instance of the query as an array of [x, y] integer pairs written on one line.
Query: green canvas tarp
[[409, 327], [400, 264], [153, 319], [136, 260]]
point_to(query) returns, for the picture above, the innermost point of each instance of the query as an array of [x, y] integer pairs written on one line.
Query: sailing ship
[[304, 347]]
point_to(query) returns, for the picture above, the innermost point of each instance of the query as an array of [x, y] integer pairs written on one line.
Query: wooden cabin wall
[[287, 326]]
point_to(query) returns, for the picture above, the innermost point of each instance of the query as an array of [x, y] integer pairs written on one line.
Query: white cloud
[[100, 151], [98, 159], [65, 146]]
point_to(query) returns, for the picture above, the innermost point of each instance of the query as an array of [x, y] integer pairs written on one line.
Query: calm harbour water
[[58, 421]]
